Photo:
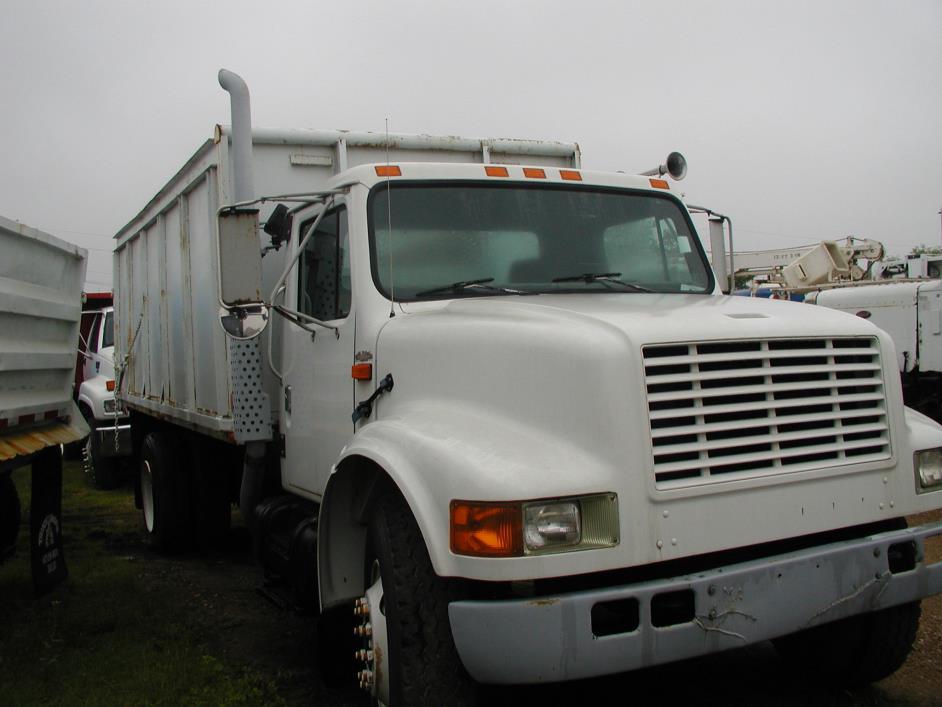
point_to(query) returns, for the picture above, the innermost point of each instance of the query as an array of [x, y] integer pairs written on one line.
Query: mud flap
[[45, 525]]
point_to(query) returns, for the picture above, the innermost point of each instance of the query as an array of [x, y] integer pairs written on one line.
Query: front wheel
[[101, 472], [857, 650], [408, 655]]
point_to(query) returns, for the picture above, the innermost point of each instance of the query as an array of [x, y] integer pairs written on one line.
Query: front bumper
[[105, 440], [549, 639]]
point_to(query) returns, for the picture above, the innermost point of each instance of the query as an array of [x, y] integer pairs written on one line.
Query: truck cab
[[109, 441]]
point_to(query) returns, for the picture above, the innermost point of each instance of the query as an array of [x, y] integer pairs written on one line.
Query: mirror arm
[[328, 202], [299, 318], [302, 320]]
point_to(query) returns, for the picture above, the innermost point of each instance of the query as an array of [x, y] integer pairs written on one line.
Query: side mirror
[[244, 323], [718, 253], [240, 274], [278, 226]]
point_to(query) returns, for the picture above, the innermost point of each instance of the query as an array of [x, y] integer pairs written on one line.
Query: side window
[[93, 335], [107, 336], [324, 272]]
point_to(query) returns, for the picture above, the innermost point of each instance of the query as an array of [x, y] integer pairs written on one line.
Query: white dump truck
[[41, 280], [910, 311], [109, 445], [489, 413]]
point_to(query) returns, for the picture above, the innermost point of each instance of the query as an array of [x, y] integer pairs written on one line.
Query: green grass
[[107, 636]]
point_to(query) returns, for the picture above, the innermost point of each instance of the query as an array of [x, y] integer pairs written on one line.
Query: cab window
[[324, 272]]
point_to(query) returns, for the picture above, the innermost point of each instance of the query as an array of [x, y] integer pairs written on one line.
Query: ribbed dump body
[[727, 410], [41, 281]]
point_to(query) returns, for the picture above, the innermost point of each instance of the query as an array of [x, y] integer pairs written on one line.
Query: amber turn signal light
[[362, 371], [110, 386], [387, 170], [484, 529]]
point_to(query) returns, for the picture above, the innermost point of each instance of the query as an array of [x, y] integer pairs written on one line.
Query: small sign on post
[[45, 521]]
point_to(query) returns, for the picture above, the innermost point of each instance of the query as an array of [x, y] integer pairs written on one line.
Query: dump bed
[[41, 279], [175, 356]]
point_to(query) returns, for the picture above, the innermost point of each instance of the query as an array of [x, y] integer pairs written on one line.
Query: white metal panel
[[205, 303], [930, 326], [892, 307], [41, 280], [176, 339], [153, 385]]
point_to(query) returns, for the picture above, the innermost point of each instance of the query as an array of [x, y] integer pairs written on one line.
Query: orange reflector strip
[[362, 371], [570, 174], [659, 183], [534, 172], [388, 170], [484, 529], [110, 386], [497, 172]]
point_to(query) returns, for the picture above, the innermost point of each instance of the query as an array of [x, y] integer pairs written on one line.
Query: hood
[[546, 360], [658, 318]]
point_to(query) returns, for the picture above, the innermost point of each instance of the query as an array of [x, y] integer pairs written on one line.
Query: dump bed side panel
[[41, 279]]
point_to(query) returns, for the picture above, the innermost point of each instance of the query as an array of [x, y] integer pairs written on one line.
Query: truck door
[[317, 392]]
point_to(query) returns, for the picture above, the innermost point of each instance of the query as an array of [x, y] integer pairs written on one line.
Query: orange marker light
[[534, 172], [362, 371], [570, 175], [485, 529], [659, 183], [388, 170], [496, 172], [110, 386]]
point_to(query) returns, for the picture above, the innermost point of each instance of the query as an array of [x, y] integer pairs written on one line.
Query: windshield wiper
[[467, 285], [605, 278]]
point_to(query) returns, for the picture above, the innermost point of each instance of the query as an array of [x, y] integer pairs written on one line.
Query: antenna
[[392, 279]]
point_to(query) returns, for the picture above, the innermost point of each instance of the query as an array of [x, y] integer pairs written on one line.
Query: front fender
[[924, 433], [436, 452]]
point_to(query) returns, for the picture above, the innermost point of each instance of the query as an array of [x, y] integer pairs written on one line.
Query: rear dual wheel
[[164, 497]]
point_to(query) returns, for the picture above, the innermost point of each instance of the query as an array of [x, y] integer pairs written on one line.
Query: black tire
[[9, 515], [855, 651], [423, 665], [212, 517], [100, 472], [164, 495]]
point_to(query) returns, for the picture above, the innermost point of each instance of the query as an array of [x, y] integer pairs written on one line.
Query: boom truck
[[490, 416], [41, 280]]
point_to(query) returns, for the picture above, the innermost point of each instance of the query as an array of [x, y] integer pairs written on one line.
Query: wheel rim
[[87, 458], [373, 657], [147, 495]]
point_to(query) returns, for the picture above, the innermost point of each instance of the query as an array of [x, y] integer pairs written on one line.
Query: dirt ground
[[220, 595]]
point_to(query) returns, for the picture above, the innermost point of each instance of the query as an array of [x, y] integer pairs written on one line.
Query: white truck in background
[[109, 445], [41, 280], [910, 311], [489, 414]]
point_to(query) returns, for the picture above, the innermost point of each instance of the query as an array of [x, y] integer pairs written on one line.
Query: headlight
[[110, 406], [549, 525], [513, 529], [928, 465]]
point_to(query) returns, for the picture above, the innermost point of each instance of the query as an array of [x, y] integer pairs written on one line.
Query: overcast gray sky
[[801, 120]]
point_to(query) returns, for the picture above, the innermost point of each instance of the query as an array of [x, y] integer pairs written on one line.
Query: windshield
[[453, 240]]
